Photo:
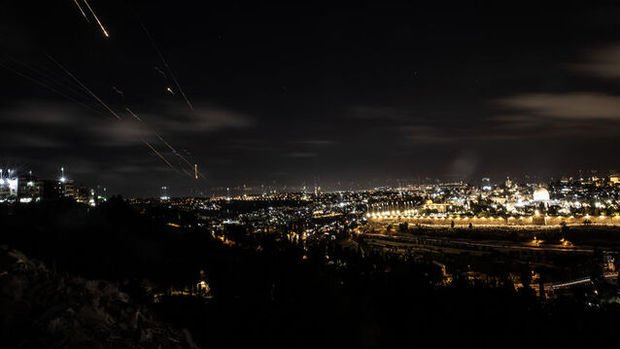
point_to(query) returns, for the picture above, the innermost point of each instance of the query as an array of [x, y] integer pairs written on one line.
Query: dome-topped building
[[541, 195]]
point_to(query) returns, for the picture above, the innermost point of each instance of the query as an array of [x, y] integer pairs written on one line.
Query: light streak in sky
[[158, 154], [174, 151], [165, 64], [117, 90], [81, 10], [133, 114], [91, 93], [34, 79], [105, 32], [109, 109], [157, 69], [76, 83]]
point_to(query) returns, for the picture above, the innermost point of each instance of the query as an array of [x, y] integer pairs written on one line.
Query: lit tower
[[61, 183], [196, 189], [486, 184], [163, 194]]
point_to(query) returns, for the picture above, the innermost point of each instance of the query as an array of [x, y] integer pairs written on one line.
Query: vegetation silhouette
[[268, 291]]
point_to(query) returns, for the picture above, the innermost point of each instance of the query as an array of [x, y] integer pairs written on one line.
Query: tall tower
[[196, 186], [163, 194], [61, 188], [486, 184]]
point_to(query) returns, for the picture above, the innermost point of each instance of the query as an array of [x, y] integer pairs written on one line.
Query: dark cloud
[[175, 118], [601, 62], [570, 115], [57, 121], [575, 105]]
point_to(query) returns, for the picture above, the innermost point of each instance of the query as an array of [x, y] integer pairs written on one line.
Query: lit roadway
[[447, 245], [405, 241]]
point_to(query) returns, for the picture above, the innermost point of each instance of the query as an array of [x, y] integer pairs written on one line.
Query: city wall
[[502, 221]]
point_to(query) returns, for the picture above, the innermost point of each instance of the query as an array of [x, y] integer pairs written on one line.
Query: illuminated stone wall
[[501, 221]]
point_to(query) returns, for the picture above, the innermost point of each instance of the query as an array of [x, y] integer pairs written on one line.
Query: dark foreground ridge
[[45, 309], [267, 290]]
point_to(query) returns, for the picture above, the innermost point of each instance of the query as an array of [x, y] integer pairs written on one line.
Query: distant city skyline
[[256, 187]]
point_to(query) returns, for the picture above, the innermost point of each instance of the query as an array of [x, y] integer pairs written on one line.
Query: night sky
[[365, 92]]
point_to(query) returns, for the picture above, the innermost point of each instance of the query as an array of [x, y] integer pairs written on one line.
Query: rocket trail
[[165, 64], [159, 154], [174, 151], [110, 109], [179, 89], [48, 87], [119, 92], [133, 114], [81, 10], [91, 93], [51, 80], [189, 104], [161, 72], [105, 32]]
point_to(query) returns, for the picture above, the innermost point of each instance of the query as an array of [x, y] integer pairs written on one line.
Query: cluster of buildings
[[577, 200], [301, 215], [591, 199], [572, 200], [27, 188]]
